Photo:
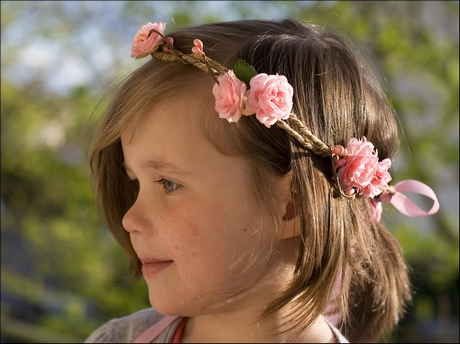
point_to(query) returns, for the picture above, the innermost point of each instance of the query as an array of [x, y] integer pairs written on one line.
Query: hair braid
[[204, 63], [302, 134]]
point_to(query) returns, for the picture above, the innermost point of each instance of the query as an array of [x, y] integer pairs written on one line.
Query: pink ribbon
[[404, 204]]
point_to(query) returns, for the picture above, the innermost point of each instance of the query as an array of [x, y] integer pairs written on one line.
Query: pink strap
[[153, 331], [178, 335], [404, 204]]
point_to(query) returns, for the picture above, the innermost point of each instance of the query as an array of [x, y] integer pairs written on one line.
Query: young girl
[[243, 170]]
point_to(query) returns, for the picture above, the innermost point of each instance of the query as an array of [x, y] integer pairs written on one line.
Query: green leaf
[[243, 71]]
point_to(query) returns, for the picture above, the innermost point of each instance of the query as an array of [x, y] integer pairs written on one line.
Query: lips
[[152, 267]]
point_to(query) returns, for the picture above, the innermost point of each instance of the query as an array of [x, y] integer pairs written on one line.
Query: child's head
[[244, 200]]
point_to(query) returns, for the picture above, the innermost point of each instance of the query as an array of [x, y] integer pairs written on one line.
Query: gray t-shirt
[[128, 328]]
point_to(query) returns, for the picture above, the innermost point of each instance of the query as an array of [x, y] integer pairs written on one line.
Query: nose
[[136, 219]]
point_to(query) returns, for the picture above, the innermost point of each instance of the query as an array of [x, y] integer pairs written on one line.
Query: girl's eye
[[168, 185]]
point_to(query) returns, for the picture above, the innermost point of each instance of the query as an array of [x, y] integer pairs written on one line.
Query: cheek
[[222, 237], [207, 231]]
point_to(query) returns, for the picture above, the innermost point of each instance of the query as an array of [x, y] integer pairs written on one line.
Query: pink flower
[[339, 150], [269, 97], [380, 180], [377, 209], [166, 48], [361, 165], [359, 168], [358, 171], [198, 47], [229, 94], [143, 44], [360, 147]]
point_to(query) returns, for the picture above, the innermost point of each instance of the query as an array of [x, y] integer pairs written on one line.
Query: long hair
[[337, 97]]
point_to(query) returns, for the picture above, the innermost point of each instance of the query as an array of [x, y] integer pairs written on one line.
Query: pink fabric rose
[[377, 209], [358, 171], [198, 47], [380, 180], [360, 147], [166, 48], [361, 165], [269, 97], [143, 44], [229, 94]]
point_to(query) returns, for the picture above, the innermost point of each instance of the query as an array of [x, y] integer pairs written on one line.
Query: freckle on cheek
[[245, 229]]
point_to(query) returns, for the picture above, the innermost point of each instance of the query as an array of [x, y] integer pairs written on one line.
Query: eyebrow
[[159, 165]]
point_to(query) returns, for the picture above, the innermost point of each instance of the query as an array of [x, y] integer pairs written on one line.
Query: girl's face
[[196, 224]]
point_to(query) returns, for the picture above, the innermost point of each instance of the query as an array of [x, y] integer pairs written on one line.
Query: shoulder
[[124, 329]]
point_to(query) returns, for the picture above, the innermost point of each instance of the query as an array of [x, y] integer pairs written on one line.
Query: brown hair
[[337, 97]]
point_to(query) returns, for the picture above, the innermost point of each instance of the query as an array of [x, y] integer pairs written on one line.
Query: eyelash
[[167, 184]]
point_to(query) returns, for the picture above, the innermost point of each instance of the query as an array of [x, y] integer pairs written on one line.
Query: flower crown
[[242, 91]]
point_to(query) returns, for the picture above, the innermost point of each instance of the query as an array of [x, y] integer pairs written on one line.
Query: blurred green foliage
[[56, 257]]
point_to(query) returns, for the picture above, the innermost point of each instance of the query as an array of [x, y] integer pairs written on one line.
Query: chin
[[176, 307], [163, 307], [171, 307]]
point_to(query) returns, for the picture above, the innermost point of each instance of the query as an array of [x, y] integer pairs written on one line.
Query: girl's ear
[[290, 212], [290, 216], [290, 220]]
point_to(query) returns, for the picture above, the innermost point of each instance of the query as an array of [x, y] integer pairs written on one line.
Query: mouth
[[152, 267]]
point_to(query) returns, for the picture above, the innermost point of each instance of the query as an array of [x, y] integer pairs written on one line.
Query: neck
[[240, 322], [236, 328]]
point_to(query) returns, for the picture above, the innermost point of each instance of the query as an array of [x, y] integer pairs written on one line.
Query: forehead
[[171, 133]]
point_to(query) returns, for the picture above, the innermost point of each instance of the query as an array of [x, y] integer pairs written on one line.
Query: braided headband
[[243, 92]]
